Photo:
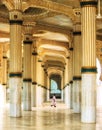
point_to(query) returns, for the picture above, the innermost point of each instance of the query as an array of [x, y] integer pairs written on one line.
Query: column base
[[88, 104], [68, 96], [27, 96], [77, 96], [15, 97], [15, 110], [88, 115]]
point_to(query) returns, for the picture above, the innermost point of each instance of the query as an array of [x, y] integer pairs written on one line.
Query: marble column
[[48, 89], [39, 82], [15, 73], [4, 76], [44, 83], [27, 80], [71, 75], [34, 81], [88, 70], [77, 69], [67, 86]]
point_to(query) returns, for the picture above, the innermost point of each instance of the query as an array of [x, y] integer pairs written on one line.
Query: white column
[[77, 69], [48, 89], [27, 81], [71, 76], [34, 80], [4, 76], [15, 74], [88, 105]]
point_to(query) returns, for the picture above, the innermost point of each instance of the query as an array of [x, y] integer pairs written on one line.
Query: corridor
[[46, 118]]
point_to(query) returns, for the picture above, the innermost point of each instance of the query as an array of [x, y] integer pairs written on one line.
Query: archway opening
[[55, 86]]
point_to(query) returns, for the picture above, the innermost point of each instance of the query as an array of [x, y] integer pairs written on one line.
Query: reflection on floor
[[47, 118]]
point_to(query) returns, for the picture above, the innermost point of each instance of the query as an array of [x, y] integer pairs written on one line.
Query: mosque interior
[[48, 32]]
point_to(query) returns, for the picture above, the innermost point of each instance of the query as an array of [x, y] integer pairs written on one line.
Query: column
[[27, 81], [67, 88], [71, 75], [34, 67], [15, 74], [47, 85], [77, 69], [44, 83], [39, 82], [4, 75], [2, 85], [88, 70]]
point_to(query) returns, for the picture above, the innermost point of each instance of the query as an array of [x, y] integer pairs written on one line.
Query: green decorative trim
[[4, 84], [34, 53], [45, 88], [39, 85], [39, 60], [90, 69], [15, 75], [76, 77], [42, 65], [27, 80], [85, 3], [71, 49], [27, 42], [71, 82], [77, 33], [4, 57], [19, 22], [65, 86], [68, 57], [34, 83]]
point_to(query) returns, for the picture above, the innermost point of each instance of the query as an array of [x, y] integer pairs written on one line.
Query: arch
[[55, 85]]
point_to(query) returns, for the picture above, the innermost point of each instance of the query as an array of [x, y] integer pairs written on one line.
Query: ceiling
[[53, 20]]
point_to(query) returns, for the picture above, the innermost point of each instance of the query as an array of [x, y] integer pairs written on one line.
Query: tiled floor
[[46, 118]]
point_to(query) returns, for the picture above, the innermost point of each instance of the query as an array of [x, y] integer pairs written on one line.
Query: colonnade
[[80, 70]]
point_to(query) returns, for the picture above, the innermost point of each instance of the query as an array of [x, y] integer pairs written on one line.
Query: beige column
[[34, 81], [39, 82], [48, 88], [67, 88], [4, 75], [77, 69], [62, 89], [27, 81], [46, 77], [71, 75], [2, 78], [44, 83], [88, 105], [15, 74]]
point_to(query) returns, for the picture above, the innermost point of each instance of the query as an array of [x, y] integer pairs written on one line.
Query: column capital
[[15, 17], [28, 28], [88, 3]]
